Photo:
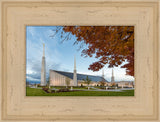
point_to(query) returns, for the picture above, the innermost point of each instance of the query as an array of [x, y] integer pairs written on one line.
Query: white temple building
[[58, 78]]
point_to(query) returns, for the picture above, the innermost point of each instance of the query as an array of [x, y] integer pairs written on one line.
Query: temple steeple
[[112, 78], [75, 83], [74, 62], [43, 68], [43, 49], [102, 73]]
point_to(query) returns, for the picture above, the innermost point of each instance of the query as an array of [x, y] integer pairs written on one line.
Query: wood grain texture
[[16, 14]]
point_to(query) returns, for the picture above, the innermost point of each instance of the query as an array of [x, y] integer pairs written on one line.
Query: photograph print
[[80, 61]]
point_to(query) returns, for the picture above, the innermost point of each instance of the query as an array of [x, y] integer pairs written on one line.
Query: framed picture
[[69, 63], [80, 60]]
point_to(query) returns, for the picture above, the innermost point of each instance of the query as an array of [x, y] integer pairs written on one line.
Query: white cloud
[[32, 79], [31, 30]]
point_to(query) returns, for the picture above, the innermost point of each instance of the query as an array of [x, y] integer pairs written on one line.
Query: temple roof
[[81, 76]]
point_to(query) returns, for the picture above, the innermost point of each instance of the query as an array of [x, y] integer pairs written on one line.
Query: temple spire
[[112, 78], [75, 82], [74, 62], [102, 73], [43, 68], [43, 50]]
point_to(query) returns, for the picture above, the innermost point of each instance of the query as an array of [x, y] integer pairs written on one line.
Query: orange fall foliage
[[111, 45]]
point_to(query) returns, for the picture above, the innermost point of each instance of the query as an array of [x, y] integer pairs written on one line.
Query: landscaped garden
[[62, 91]]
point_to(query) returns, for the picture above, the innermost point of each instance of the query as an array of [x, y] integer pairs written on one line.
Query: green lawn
[[85, 88], [59, 87], [40, 92]]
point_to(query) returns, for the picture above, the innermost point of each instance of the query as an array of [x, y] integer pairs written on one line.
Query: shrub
[[45, 89], [102, 87], [64, 90], [111, 88], [53, 91]]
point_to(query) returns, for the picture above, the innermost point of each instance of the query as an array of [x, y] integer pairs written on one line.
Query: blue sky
[[60, 56]]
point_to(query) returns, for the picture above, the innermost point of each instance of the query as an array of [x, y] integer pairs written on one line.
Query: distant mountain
[[33, 82]]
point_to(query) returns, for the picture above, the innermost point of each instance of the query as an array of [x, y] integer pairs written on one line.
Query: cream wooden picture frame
[[17, 14]]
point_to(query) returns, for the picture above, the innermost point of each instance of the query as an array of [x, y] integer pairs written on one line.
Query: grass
[[59, 87], [40, 92], [85, 88]]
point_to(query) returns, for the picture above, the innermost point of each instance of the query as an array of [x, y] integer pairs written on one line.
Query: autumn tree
[[102, 83], [113, 84], [111, 45]]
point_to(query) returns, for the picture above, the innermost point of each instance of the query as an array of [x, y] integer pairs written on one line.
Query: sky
[[60, 56]]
